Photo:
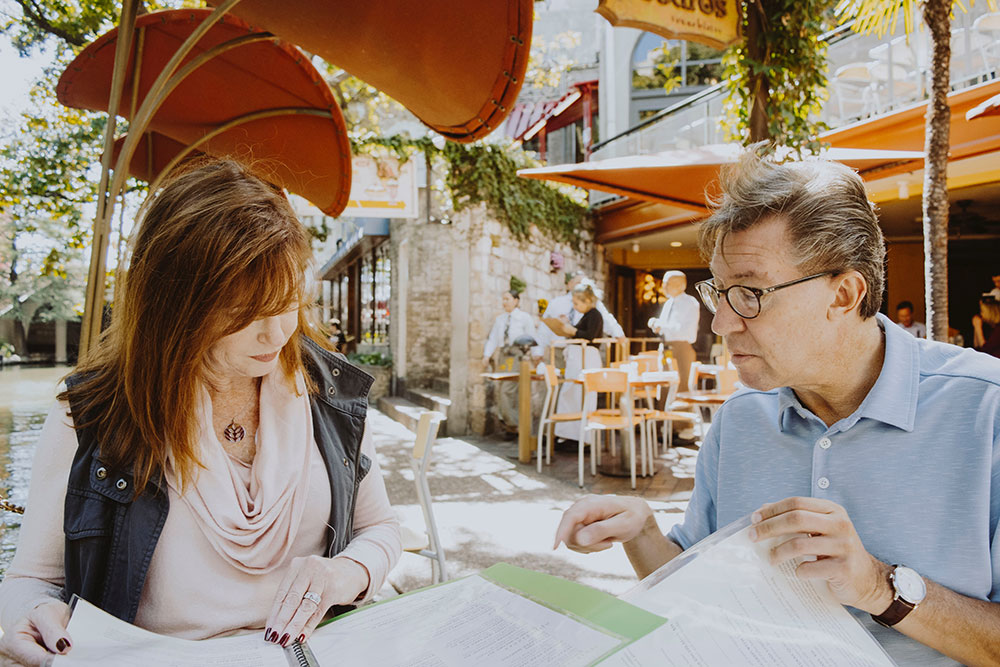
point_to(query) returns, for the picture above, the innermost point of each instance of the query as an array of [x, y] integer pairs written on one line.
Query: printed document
[[725, 604]]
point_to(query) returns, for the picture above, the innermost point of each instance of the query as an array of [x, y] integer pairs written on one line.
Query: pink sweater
[[191, 591]]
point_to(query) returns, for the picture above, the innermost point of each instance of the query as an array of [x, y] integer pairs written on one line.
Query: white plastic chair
[[428, 543]]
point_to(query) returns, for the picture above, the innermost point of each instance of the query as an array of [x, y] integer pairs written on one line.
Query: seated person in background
[[858, 447], [986, 327], [181, 482], [904, 318], [510, 325]]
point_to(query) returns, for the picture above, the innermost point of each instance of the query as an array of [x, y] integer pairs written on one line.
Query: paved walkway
[[490, 508]]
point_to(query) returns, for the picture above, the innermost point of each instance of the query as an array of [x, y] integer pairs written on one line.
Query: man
[[995, 292], [856, 445], [678, 323], [904, 318]]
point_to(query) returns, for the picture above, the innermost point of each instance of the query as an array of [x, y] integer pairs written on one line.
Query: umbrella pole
[[92, 311], [158, 92]]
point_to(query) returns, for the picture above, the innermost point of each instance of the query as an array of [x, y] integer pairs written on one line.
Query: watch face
[[909, 584]]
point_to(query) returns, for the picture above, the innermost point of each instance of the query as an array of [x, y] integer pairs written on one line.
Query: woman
[[986, 326], [220, 476], [589, 326]]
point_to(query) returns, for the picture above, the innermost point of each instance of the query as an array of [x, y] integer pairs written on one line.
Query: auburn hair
[[216, 249]]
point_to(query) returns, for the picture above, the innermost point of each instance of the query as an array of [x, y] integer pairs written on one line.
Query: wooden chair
[[666, 418], [614, 382], [549, 418], [428, 543]]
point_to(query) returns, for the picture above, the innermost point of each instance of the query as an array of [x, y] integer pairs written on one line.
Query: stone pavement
[[490, 508]]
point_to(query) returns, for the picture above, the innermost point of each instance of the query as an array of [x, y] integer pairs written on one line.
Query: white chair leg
[[541, 445], [580, 445], [643, 452], [594, 453], [630, 440], [552, 439]]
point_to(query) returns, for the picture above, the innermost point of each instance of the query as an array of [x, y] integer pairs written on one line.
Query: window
[[375, 291], [667, 64]]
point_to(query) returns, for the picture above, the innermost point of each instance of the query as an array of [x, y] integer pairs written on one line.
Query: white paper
[[101, 639], [727, 605], [467, 623]]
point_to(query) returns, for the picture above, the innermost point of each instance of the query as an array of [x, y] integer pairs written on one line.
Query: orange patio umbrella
[[458, 66], [261, 101], [685, 178]]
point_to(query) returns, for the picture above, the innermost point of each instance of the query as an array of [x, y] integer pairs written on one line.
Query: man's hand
[[813, 527], [595, 523]]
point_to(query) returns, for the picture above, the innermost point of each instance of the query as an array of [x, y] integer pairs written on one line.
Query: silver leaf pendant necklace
[[235, 431]]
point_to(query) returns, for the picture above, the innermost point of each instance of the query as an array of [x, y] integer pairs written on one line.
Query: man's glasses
[[745, 301]]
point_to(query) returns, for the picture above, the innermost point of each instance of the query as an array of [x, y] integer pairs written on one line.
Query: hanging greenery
[[781, 66], [481, 173]]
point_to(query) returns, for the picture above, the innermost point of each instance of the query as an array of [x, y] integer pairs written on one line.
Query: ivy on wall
[[481, 173], [785, 57]]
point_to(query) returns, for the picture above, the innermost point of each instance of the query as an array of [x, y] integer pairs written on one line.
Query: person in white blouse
[[189, 478], [510, 325], [678, 323], [562, 305]]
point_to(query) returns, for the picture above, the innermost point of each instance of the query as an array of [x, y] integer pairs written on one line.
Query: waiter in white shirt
[[678, 323], [510, 325]]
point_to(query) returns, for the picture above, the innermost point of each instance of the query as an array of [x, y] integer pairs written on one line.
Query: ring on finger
[[312, 597]]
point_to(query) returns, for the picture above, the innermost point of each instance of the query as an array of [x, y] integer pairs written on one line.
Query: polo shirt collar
[[893, 398]]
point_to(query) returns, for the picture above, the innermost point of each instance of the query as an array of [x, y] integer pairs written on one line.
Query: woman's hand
[[38, 636], [336, 581]]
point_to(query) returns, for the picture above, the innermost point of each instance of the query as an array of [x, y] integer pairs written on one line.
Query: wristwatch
[[910, 591]]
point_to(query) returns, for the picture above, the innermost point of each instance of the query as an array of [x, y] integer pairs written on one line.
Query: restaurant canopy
[[208, 81], [686, 178], [458, 66], [261, 101]]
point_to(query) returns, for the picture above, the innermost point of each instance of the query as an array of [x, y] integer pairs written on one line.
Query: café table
[[524, 377]]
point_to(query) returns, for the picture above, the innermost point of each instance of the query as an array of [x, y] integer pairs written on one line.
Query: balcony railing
[[868, 76]]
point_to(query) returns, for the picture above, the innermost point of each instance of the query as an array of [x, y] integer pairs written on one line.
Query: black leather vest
[[111, 536]]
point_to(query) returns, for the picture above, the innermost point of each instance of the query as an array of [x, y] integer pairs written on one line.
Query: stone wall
[[420, 306], [484, 256]]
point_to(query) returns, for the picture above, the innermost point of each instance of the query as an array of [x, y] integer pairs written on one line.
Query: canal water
[[26, 395]]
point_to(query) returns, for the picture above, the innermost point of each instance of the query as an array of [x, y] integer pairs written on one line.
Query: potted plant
[[379, 366]]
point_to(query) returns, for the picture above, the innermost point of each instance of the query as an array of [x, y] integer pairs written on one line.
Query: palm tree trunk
[[936, 146]]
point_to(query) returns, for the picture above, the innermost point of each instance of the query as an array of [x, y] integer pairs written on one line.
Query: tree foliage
[[776, 78]]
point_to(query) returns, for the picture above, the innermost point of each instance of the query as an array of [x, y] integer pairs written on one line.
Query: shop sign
[[381, 187], [715, 23]]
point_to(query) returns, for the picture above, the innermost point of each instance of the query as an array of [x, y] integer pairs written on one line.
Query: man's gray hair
[[831, 224]]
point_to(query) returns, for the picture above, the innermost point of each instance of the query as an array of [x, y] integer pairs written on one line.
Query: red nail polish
[[62, 644], [284, 640], [300, 639], [267, 634]]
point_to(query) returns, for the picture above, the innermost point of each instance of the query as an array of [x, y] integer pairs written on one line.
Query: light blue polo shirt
[[917, 467]]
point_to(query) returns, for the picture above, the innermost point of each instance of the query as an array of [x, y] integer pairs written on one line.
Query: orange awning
[[990, 107], [293, 135], [457, 66], [684, 178]]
